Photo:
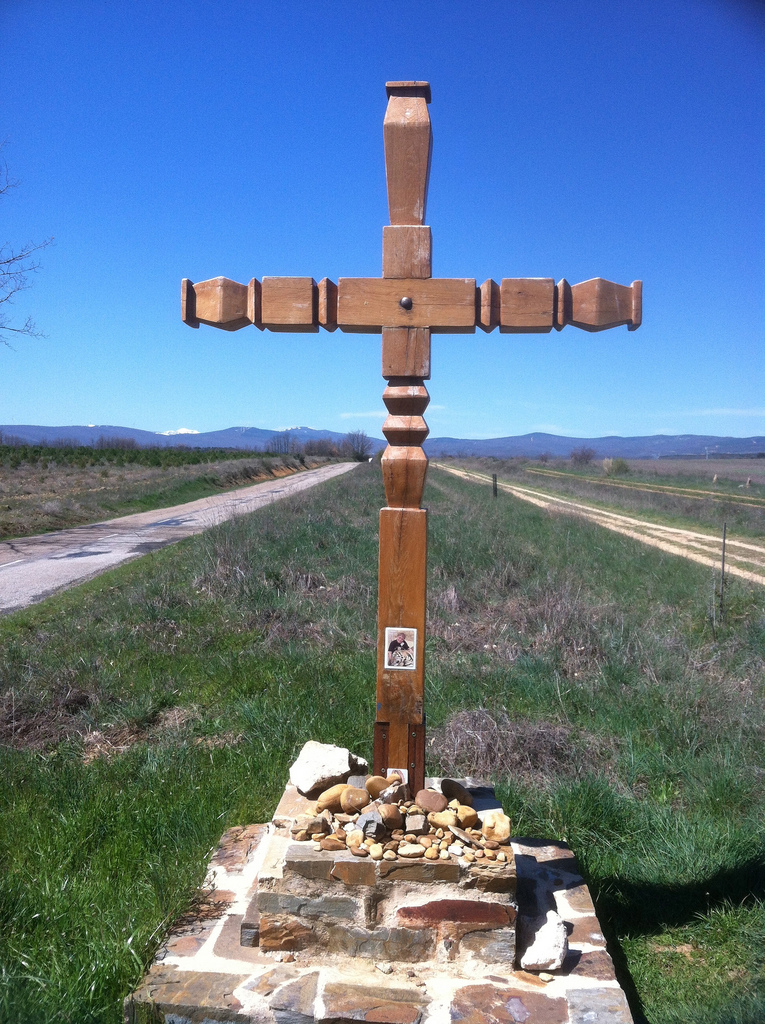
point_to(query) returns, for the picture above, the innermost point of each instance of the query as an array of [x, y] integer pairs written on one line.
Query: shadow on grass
[[646, 908], [629, 909]]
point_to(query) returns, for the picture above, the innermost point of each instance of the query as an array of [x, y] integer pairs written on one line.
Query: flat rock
[[454, 790], [321, 765]]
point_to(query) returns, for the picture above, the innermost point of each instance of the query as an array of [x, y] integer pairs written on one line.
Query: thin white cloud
[[375, 415]]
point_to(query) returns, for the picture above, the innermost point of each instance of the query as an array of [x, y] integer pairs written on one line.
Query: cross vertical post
[[399, 736]]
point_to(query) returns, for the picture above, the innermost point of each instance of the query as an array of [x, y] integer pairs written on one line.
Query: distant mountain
[[530, 445], [231, 437], [654, 446]]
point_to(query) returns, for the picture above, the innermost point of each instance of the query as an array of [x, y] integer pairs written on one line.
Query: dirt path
[[32, 568], [639, 485], [742, 558]]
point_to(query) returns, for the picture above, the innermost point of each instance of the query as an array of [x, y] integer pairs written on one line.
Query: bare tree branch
[[15, 268]]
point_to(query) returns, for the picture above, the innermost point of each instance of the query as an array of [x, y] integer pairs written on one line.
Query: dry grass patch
[[486, 744]]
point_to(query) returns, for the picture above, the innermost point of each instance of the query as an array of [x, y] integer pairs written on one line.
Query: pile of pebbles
[[383, 822]]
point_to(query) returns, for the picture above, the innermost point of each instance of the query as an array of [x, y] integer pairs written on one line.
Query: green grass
[[196, 674]]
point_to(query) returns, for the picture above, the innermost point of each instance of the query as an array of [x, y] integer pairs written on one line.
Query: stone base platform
[[411, 910], [204, 973]]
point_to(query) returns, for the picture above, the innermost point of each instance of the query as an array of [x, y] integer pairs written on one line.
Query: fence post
[[494, 484], [722, 574]]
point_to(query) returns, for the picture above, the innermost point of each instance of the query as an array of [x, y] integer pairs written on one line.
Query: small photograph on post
[[400, 647]]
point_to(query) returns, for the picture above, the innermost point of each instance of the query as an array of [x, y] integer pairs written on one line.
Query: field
[[149, 709], [44, 489], [692, 493]]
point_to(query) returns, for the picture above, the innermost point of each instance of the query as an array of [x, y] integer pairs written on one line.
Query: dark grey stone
[[372, 825]]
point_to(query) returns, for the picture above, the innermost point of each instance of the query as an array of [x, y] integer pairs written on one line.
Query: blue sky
[[157, 141]]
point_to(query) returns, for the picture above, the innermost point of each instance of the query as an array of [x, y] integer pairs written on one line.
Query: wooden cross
[[407, 305]]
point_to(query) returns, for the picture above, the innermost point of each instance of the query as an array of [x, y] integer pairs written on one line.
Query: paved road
[[32, 568], [742, 558]]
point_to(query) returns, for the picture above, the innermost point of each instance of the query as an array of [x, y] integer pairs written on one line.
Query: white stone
[[546, 942], [321, 765]]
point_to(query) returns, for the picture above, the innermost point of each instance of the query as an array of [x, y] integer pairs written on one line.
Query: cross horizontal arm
[[526, 305]]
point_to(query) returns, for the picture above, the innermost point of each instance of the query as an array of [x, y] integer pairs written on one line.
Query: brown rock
[[354, 872], [330, 798], [297, 996], [421, 870], [283, 932], [466, 816], [430, 801], [375, 784], [454, 790], [504, 1005], [332, 844], [411, 851], [382, 1005], [395, 793], [417, 824], [431, 853], [442, 819], [496, 826], [359, 851], [596, 964], [391, 816], [172, 989], [480, 913], [352, 799], [318, 823]]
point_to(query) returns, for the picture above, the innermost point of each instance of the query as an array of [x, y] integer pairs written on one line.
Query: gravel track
[[32, 568], [742, 558]]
